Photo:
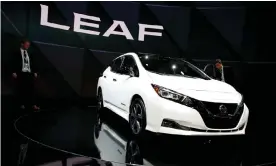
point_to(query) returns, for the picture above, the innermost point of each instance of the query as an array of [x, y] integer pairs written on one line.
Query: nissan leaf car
[[169, 95]]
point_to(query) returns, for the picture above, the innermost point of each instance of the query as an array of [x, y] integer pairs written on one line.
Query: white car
[[172, 96]]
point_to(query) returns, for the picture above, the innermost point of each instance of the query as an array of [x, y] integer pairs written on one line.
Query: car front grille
[[214, 118]]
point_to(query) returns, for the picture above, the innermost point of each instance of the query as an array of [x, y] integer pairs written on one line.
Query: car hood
[[205, 90]]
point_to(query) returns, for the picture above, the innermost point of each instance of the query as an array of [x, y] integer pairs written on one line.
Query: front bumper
[[188, 120]]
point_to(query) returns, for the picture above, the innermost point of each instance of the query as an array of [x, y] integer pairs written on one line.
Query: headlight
[[174, 96], [240, 106]]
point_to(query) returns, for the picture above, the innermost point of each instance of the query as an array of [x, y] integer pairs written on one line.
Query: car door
[[111, 79], [126, 84]]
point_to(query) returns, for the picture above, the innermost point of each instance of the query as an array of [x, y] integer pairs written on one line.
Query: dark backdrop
[[69, 62], [241, 34]]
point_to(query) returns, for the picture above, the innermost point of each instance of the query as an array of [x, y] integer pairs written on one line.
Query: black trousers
[[25, 89]]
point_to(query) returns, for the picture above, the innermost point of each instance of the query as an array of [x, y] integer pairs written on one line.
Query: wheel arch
[[140, 97], [135, 97], [99, 89]]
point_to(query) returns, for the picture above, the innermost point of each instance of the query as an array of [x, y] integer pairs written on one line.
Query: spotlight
[[173, 66]]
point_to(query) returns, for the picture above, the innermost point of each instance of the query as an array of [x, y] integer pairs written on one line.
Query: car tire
[[99, 100], [98, 124], [137, 117]]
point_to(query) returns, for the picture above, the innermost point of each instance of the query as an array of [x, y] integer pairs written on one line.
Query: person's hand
[[14, 75], [35, 75]]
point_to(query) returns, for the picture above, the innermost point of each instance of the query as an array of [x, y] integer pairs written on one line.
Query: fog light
[[172, 124], [185, 128], [169, 123]]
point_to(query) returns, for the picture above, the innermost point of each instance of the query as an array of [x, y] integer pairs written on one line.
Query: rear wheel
[[99, 100], [99, 105], [137, 116]]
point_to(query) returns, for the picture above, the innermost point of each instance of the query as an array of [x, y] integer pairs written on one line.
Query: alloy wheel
[[136, 118]]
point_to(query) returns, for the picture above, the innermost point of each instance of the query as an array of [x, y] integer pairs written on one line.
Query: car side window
[[116, 64], [130, 64]]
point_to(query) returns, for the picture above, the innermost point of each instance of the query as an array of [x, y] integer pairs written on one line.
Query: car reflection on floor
[[116, 148], [116, 144]]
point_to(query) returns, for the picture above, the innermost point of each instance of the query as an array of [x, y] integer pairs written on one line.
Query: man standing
[[219, 70], [24, 71]]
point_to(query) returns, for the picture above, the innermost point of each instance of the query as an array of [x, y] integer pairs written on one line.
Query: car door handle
[[104, 76], [114, 79]]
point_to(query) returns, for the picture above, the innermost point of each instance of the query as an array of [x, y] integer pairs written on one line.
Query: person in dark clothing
[[24, 71], [219, 74], [215, 71]]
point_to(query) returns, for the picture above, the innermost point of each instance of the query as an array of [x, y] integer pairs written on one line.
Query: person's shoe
[[22, 107], [36, 108]]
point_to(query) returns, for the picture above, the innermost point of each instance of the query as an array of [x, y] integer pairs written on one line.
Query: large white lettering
[[125, 32], [78, 23], [143, 32], [44, 19]]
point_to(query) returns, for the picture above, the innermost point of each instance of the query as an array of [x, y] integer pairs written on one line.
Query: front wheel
[[137, 116]]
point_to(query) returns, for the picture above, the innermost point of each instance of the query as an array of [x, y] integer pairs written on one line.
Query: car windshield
[[171, 66]]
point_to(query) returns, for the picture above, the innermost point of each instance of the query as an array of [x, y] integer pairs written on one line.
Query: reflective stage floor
[[79, 137]]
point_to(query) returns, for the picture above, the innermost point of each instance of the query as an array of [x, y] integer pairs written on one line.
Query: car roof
[[144, 54]]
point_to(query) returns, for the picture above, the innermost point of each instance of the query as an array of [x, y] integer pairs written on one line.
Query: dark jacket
[[218, 74], [213, 72], [16, 63]]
